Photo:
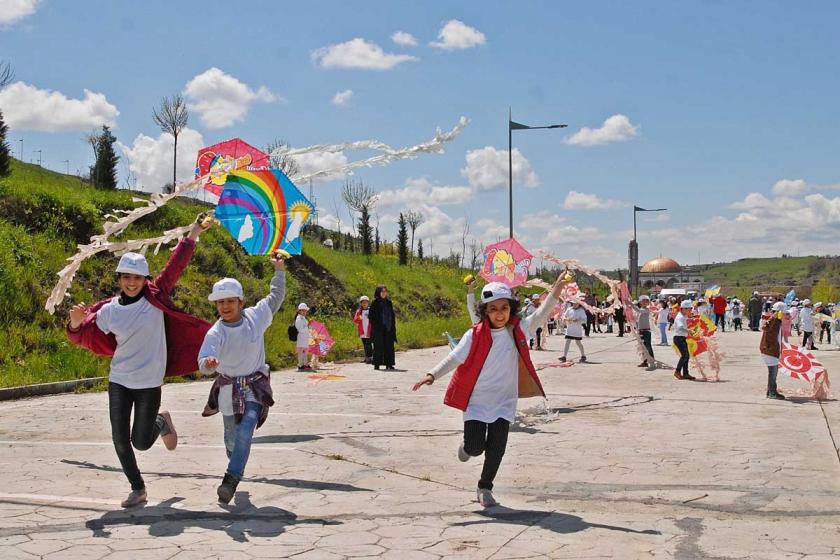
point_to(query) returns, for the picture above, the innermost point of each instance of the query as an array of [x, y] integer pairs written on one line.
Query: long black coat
[[375, 317]]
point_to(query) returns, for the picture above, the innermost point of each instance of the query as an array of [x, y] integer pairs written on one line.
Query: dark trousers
[[736, 322], [490, 439], [620, 328], [682, 346], [772, 372], [646, 340], [719, 321], [383, 349], [144, 432], [755, 321], [590, 319], [539, 337], [825, 327], [368, 344], [807, 339]]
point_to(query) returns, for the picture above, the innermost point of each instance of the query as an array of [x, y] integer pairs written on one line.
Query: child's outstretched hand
[[278, 260], [77, 315], [428, 379]]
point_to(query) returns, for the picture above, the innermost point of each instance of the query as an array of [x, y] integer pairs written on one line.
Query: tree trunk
[[175, 162]]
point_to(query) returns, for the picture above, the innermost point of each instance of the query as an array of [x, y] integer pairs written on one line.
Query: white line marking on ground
[[30, 443]]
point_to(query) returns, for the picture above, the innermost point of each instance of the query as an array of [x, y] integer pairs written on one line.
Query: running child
[[235, 348], [147, 338], [493, 368]]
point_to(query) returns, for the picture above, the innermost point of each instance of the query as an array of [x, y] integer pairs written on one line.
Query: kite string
[[100, 242]]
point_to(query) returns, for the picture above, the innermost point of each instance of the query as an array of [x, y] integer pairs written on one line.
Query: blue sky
[[725, 113]]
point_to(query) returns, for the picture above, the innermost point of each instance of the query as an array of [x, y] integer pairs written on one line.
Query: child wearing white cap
[[575, 318], [771, 348], [362, 320], [148, 338], [493, 368], [302, 343], [235, 348], [681, 340]]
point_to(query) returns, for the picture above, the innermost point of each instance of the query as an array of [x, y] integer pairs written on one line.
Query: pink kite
[[627, 303], [320, 340], [220, 159], [506, 262]]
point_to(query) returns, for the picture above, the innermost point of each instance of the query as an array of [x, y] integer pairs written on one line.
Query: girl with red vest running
[[147, 338], [492, 369]]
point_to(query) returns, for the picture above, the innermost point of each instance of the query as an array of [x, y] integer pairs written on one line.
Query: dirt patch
[[319, 288]]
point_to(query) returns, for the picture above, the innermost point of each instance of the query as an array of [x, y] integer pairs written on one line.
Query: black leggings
[[147, 425], [682, 346], [490, 439]]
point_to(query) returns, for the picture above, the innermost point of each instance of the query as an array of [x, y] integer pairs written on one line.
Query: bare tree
[[358, 196], [92, 139], [337, 210], [464, 233], [6, 74], [414, 219], [280, 160], [172, 117], [476, 249]]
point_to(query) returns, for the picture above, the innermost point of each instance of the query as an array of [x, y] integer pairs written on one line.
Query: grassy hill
[[773, 274], [43, 215]]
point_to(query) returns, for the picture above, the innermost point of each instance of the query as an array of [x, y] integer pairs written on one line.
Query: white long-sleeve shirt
[[807, 319], [474, 318], [497, 388], [139, 361], [302, 326], [680, 325]]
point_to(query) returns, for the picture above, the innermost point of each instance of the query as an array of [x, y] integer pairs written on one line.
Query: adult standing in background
[[383, 326], [754, 306], [719, 309], [589, 300]]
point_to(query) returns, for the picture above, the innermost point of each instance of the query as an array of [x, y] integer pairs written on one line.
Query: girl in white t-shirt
[[302, 344], [575, 318], [493, 368]]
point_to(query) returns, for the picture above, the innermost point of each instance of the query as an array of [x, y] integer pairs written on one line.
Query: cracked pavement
[[627, 464]]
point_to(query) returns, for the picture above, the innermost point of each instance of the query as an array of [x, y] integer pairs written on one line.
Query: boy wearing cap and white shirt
[[806, 318], [302, 343], [575, 318], [148, 338], [493, 368], [362, 320], [680, 340], [235, 348], [643, 326]]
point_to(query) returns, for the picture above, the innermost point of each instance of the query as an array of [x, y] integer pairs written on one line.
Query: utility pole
[[67, 162], [40, 153]]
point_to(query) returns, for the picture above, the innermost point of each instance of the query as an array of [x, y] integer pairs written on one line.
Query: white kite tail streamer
[[99, 243]]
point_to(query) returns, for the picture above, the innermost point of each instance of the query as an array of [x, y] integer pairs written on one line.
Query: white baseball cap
[[303, 307], [779, 306], [806, 301], [685, 304], [226, 288], [644, 298], [133, 263], [364, 298], [494, 291]]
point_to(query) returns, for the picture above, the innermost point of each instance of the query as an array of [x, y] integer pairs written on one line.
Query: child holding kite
[[147, 338], [302, 342], [235, 348], [362, 320], [681, 340], [771, 348], [493, 368]]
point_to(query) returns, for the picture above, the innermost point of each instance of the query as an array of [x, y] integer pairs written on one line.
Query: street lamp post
[[634, 249], [511, 127]]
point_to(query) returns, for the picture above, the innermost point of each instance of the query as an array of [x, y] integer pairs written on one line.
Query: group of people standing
[[376, 324]]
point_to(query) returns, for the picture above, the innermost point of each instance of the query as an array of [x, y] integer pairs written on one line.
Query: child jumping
[[147, 338], [235, 348], [362, 320], [493, 367], [302, 343]]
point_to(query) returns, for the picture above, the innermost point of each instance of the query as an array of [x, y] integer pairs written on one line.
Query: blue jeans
[[663, 337], [772, 372], [238, 437]]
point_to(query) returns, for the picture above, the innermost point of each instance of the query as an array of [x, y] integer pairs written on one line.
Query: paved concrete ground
[[630, 464]]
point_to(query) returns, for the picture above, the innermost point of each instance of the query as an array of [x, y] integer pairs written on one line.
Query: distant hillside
[[43, 215], [773, 274]]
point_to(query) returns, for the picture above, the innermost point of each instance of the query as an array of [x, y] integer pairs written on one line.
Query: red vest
[[463, 381]]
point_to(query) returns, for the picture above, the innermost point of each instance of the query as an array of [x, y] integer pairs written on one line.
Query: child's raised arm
[[269, 305], [180, 258]]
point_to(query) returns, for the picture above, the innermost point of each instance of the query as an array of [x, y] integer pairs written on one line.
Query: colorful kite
[[712, 291], [263, 210], [320, 340], [798, 363], [700, 340], [220, 159], [506, 262]]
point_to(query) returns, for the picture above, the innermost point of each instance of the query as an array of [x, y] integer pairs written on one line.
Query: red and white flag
[[799, 363]]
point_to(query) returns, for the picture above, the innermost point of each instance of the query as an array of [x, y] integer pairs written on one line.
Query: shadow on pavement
[[287, 482], [299, 438], [550, 520], [239, 521]]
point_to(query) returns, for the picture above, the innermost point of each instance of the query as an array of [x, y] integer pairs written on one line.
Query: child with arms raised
[[493, 368]]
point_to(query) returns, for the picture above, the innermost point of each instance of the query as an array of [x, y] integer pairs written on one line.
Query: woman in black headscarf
[[383, 326]]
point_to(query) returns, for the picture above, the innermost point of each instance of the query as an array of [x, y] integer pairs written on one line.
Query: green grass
[[44, 215]]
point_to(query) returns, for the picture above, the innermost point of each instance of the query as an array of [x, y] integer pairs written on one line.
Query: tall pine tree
[[5, 158], [104, 174], [402, 240], [366, 232], [420, 249], [376, 241]]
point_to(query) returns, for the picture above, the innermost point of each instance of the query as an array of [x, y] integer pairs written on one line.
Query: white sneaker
[[485, 498], [463, 456]]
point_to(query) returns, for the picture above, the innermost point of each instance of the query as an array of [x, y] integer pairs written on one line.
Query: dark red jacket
[[463, 381], [184, 332], [719, 305]]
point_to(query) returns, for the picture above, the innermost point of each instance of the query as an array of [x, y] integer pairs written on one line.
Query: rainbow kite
[[263, 210]]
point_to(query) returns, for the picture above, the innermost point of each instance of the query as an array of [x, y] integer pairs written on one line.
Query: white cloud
[[342, 98], [151, 158], [358, 53], [583, 201], [753, 201], [422, 191], [221, 100], [405, 39], [321, 161], [456, 34], [617, 128], [12, 11], [790, 187], [487, 169], [327, 220], [27, 107]]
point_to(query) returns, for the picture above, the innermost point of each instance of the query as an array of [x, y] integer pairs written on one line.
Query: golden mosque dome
[[662, 265]]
